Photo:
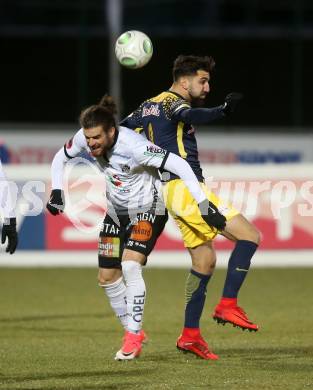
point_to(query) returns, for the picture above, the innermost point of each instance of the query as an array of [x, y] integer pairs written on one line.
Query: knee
[[205, 268], [240, 228], [211, 266], [250, 233], [108, 276], [205, 264], [255, 235], [131, 269]]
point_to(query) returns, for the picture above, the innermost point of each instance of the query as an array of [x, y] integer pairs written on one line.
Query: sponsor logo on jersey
[[153, 150], [125, 168], [115, 180], [109, 246], [152, 110], [142, 231]]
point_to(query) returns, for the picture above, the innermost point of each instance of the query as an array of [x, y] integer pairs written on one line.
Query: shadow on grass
[[50, 317], [268, 352], [61, 330], [101, 386], [106, 375], [162, 357], [272, 358], [267, 358]]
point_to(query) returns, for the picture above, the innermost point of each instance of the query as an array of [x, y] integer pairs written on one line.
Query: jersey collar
[[105, 156], [115, 138], [176, 94]]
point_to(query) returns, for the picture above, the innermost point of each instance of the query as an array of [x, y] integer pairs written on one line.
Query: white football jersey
[[132, 180]]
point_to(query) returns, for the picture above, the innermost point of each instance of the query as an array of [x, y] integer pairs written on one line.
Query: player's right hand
[[9, 232], [231, 101], [56, 202], [211, 215]]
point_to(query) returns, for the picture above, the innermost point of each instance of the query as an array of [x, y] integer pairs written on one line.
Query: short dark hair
[[101, 114], [189, 65]]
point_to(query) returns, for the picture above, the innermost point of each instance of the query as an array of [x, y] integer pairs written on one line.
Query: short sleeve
[[173, 104], [134, 120]]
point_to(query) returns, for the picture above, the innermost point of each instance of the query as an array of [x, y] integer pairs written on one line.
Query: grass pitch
[[57, 331]]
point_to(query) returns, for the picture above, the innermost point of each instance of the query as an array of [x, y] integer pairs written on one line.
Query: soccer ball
[[133, 49]]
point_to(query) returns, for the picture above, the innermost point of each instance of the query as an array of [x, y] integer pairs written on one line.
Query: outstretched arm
[[201, 116], [71, 149], [209, 211], [148, 154]]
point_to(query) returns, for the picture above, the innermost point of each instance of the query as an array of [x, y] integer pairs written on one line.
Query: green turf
[[57, 332]]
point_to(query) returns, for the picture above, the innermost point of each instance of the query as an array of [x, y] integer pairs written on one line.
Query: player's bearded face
[[98, 140], [199, 87]]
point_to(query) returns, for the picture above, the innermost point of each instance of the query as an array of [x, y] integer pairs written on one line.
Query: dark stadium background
[[54, 56]]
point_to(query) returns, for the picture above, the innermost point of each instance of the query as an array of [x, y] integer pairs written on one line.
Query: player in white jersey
[[7, 211], [126, 159]]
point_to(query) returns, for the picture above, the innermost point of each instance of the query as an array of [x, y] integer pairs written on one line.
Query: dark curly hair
[[189, 65]]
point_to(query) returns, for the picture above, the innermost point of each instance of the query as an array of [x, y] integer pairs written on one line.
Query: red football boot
[[144, 337], [191, 341], [234, 315], [131, 347]]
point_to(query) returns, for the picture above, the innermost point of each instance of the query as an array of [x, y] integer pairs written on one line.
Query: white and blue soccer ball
[[133, 49]]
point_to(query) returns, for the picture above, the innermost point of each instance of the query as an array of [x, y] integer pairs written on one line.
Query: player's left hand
[[9, 232], [211, 215], [231, 101], [56, 202]]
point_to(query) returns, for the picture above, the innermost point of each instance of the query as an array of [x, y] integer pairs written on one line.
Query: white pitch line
[[158, 259]]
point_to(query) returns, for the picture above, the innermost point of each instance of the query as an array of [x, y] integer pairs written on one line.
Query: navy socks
[[238, 267], [196, 286]]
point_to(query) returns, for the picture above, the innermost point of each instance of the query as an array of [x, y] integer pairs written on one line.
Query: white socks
[[128, 301], [116, 292], [135, 293]]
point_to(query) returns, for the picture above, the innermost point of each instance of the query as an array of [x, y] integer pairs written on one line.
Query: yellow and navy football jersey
[[156, 117]]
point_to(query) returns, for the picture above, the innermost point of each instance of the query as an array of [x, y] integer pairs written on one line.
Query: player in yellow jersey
[[167, 120]]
